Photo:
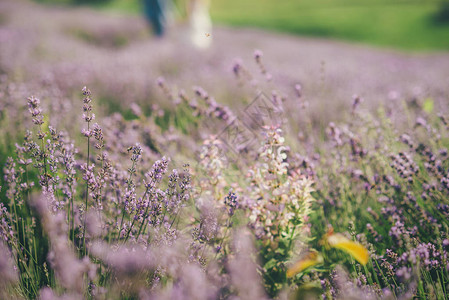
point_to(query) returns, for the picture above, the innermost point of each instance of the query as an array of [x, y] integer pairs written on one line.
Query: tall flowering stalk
[[279, 206], [153, 178], [280, 201], [68, 162], [88, 116], [38, 119], [105, 166]]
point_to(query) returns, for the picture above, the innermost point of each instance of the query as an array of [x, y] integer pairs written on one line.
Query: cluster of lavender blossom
[[110, 223], [386, 182]]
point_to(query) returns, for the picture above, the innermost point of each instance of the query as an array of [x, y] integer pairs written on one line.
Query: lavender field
[[268, 166]]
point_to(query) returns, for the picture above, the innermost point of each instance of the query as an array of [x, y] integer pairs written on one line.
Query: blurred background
[[383, 51], [402, 24]]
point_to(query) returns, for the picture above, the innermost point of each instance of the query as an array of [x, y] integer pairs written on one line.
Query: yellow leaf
[[311, 259], [356, 250]]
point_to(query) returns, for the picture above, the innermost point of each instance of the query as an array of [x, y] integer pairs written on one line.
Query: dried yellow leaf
[[356, 250], [311, 259]]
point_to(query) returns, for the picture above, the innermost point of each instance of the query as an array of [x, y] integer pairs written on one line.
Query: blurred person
[[155, 14], [200, 23], [159, 12]]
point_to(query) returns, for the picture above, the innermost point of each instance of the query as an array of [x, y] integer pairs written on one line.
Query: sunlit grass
[[404, 25]]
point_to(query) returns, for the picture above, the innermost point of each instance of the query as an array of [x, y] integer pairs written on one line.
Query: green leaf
[[270, 264], [428, 105], [280, 251]]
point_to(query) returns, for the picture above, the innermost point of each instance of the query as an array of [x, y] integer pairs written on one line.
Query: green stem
[[144, 216], [222, 240], [45, 158], [87, 191], [73, 219], [129, 230], [129, 185]]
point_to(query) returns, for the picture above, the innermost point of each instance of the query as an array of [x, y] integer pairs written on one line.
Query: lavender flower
[[35, 110], [231, 203]]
